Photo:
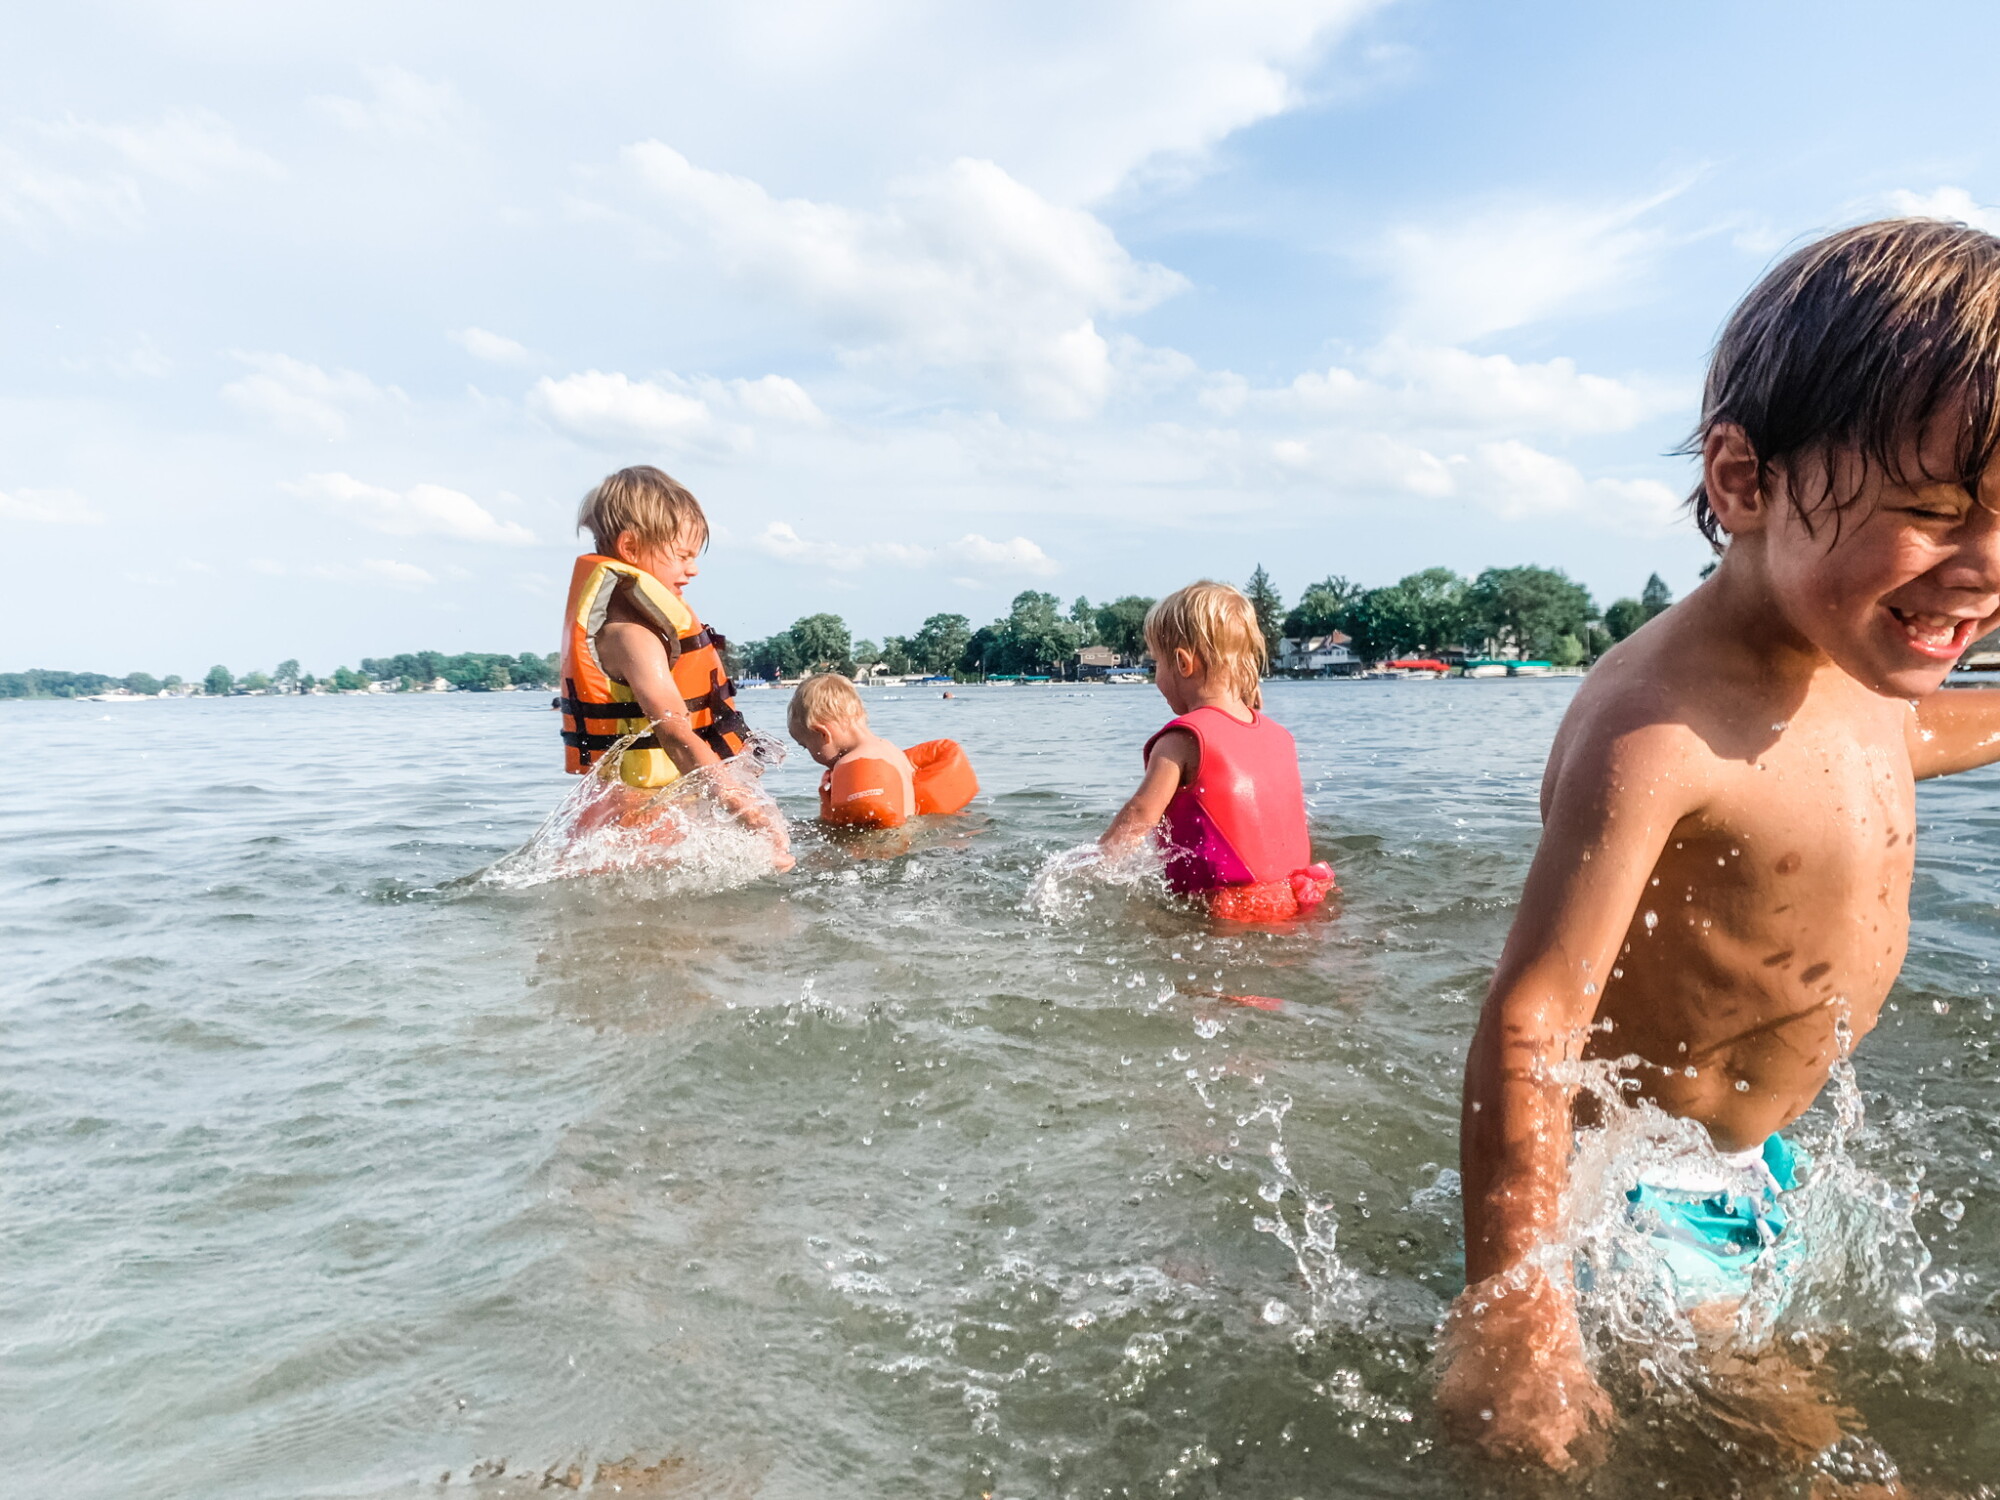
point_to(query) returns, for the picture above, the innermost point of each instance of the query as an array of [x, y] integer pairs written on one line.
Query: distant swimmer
[[637, 661], [870, 783], [1720, 901], [1222, 781]]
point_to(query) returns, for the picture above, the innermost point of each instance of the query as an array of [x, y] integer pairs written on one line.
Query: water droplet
[[1781, 726], [1941, 1007], [1742, 1085], [1590, 989], [1652, 920], [1952, 1209], [1276, 1312]]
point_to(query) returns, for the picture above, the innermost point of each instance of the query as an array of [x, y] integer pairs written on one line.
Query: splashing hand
[[760, 813], [1513, 1381]]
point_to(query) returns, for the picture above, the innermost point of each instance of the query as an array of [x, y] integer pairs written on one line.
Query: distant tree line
[[1528, 611], [469, 671], [1531, 612], [1036, 635]]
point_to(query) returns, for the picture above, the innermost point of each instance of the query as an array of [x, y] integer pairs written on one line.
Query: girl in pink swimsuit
[[1222, 780]]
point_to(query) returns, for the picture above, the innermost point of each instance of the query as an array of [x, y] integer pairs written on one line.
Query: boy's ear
[[1733, 478], [626, 547], [1186, 662]]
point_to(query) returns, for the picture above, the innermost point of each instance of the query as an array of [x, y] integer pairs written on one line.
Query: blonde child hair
[[1215, 624], [645, 501], [827, 698]]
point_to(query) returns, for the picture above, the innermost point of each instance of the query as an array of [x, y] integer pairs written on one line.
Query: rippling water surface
[[328, 1171]]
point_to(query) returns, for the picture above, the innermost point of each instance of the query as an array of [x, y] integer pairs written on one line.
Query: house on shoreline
[[1329, 655]]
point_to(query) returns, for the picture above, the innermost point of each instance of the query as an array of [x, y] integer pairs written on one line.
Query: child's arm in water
[[637, 657], [1955, 730], [1514, 1380], [1174, 760]]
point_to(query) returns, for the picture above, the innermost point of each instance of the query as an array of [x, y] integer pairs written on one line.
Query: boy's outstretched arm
[[1956, 729], [1513, 1376], [1175, 759]]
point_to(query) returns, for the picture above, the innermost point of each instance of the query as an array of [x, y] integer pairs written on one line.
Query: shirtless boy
[[1722, 887]]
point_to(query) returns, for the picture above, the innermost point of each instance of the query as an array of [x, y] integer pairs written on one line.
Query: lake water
[[329, 1172]]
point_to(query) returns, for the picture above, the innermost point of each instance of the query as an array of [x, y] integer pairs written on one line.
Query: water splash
[[1070, 879], [701, 831], [1849, 1265]]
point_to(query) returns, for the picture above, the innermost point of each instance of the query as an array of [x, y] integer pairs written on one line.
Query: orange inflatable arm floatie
[[862, 794], [945, 782], [868, 793]]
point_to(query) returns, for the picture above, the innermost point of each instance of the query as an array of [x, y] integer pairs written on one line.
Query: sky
[[318, 320]]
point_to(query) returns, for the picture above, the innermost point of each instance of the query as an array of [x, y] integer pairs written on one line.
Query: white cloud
[[188, 148], [401, 574], [401, 106], [681, 413], [33, 193], [48, 508], [1946, 203], [1507, 478], [612, 408], [1015, 557], [964, 270], [495, 348], [777, 399], [1498, 268], [421, 510], [301, 399], [1435, 386]]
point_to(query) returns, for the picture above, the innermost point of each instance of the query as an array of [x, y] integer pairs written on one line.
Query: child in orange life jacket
[[634, 651], [869, 783], [1221, 777]]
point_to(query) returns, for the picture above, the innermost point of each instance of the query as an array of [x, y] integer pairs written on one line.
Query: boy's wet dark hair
[[1858, 345]]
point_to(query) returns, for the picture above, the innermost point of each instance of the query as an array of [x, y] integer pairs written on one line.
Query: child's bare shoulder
[[1638, 719]]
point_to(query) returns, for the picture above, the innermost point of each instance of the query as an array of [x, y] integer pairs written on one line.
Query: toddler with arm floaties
[[869, 783], [1222, 779]]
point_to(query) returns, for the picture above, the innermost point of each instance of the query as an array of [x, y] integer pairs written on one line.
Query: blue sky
[[319, 319]]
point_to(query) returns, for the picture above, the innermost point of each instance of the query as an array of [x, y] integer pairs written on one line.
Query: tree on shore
[[1269, 608], [219, 683], [1424, 611], [288, 674], [939, 643], [1656, 597], [1323, 608], [1121, 625], [1527, 609]]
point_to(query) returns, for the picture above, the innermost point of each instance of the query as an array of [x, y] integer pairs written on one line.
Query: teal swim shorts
[[1713, 1223]]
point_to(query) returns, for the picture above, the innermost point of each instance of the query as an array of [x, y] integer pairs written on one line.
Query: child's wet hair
[[1217, 626], [645, 501], [827, 698], [1857, 347]]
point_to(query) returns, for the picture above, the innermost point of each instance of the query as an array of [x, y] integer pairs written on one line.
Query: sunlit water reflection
[[328, 1171]]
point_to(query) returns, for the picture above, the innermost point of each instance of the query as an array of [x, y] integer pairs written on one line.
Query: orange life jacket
[[598, 710]]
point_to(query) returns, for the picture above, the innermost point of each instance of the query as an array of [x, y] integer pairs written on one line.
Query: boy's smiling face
[[1896, 587]]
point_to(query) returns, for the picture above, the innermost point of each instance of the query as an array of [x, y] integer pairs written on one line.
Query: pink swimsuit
[[1237, 833]]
